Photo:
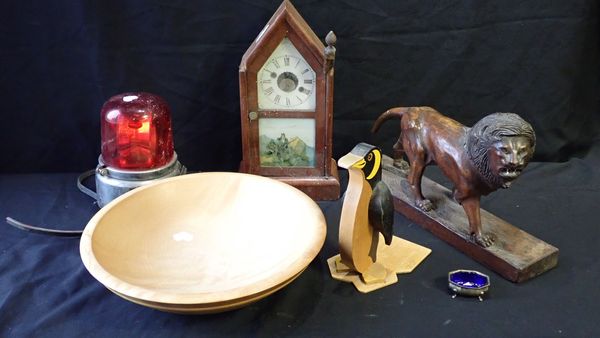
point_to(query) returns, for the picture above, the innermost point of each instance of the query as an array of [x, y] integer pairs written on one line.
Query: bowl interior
[[208, 237]]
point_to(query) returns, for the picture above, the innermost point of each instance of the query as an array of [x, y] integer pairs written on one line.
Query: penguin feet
[[376, 273]]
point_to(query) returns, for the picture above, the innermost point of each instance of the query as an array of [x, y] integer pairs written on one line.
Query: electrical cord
[[55, 232], [45, 231]]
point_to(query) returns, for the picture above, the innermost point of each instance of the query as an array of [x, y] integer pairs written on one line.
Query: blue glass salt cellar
[[468, 283]]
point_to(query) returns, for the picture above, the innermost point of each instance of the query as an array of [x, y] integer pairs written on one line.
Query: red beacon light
[[137, 145]]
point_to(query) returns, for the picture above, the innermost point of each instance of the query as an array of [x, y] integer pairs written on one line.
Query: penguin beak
[[349, 160]]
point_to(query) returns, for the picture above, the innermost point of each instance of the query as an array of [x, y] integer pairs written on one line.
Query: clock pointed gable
[[286, 21]]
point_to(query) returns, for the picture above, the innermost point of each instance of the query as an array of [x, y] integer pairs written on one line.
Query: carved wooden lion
[[477, 160]]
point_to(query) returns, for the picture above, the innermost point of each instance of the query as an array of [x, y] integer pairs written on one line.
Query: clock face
[[286, 81]]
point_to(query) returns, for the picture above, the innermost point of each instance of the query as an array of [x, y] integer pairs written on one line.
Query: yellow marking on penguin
[[376, 164], [360, 164]]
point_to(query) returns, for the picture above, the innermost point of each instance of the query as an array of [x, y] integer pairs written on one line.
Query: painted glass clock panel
[[286, 81], [287, 142]]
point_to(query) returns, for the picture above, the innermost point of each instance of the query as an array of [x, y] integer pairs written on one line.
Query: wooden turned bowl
[[203, 243]]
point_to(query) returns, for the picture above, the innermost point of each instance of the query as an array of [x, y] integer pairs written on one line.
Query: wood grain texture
[[203, 242], [357, 238], [515, 254]]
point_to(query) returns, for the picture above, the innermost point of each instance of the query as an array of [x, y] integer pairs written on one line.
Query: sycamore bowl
[[203, 243]]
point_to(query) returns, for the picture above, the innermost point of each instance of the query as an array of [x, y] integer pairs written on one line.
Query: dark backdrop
[[60, 61]]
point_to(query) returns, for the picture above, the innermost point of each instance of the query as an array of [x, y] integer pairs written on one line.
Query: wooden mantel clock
[[286, 104]]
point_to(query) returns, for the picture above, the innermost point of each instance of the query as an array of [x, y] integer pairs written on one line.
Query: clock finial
[[330, 39]]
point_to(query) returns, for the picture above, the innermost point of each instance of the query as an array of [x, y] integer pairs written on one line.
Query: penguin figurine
[[366, 222], [367, 211]]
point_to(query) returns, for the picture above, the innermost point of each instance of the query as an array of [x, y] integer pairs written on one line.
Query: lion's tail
[[389, 114]]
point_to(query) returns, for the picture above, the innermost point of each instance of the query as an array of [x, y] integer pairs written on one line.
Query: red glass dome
[[136, 132]]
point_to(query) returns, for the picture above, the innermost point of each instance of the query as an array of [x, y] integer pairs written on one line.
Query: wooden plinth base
[[515, 254], [401, 256], [319, 188]]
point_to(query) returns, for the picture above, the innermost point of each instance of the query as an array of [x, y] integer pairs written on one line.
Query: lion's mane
[[485, 133]]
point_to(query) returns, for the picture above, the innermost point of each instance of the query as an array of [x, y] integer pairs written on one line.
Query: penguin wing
[[381, 211]]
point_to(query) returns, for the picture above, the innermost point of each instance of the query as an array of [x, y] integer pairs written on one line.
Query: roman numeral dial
[[286, 81]]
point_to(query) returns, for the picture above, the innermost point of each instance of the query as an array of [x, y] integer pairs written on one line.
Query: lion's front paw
[[485, 240], [424, 205]]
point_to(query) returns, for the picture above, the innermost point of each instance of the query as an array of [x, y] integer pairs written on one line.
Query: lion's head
[[500, 145]]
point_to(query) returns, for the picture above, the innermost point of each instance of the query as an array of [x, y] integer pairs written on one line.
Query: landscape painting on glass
[[287, 142]]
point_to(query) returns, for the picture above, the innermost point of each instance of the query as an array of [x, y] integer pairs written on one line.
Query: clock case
[[320, 182]]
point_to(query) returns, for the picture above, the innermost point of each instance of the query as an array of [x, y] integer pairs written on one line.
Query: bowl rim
[[224, 297]]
